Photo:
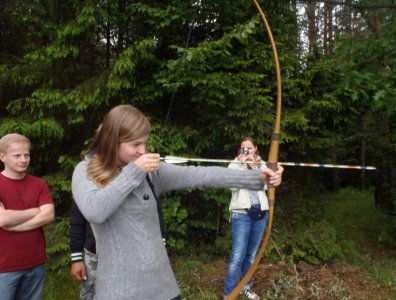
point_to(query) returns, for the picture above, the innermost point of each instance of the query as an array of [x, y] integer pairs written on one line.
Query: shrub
[[315, 244], [57, 237]]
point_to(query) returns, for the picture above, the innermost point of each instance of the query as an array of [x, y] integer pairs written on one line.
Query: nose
[[142, 149]]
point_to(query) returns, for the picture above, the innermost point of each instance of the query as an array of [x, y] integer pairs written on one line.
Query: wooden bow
[[272, 161]]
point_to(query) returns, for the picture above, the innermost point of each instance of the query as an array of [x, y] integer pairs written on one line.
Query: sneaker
[[250, 295]]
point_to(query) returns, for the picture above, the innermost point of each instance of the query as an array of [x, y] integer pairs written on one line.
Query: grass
[[199, 276], [357, 221], [354, 215], [59, 285]]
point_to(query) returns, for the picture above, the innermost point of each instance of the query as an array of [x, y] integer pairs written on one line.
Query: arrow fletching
[[174, 159]]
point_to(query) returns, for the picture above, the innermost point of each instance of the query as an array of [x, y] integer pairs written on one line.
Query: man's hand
[[77, 271]]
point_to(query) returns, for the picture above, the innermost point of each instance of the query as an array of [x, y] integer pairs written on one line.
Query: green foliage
[[203, 72], [316, 243], [171, 140], [174, 217], [60, 187], [158, 18], [306, 209], [384, 271], [58, 251], [59, 285], [58, 282], [350, 251], [217, 81], [122, 75], [354, 214], [223, 244], [326, 226], [362, 229], [43, 127]]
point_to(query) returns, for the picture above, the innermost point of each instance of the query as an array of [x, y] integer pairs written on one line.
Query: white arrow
[[180, 160]]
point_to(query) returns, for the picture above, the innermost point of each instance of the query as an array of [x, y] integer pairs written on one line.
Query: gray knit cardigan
[[133, 262]]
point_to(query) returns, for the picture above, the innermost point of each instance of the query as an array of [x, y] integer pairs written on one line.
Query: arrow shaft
[[176, 159], [314, 165]]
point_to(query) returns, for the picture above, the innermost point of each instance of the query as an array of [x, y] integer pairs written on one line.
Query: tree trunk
[[2, 26], [325, 27], [312, 32], [363, 153], [121, 26], [335, 172], [385, 194], [108, 40], [330, 29]]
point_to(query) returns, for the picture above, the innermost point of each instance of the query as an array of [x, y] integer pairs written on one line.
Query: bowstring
[[191, 26]]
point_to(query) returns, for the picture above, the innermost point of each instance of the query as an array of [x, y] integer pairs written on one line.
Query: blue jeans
[[22, 284], [246, 237]]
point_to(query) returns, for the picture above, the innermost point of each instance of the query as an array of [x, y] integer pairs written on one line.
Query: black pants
[[177, 298]]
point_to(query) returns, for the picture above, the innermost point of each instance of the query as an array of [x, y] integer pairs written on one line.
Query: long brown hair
[[250, 139], [123, 123]]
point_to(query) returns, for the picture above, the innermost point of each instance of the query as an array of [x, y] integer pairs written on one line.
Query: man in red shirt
[[25, 207]]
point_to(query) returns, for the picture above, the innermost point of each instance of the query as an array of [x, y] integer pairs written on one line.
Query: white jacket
[[240, 199]]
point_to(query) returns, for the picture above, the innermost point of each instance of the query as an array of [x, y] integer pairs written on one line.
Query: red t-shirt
[[22, 250]]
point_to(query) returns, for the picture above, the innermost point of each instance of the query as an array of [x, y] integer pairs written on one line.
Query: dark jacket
[[81, 235]]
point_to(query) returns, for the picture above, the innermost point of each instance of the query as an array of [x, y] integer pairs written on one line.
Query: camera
[[245, 151]]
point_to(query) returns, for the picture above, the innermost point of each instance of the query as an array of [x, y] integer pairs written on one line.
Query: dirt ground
[[304, 281], [336, 281]]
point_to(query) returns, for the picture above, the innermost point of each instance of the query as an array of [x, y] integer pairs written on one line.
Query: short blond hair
[[10, 138]]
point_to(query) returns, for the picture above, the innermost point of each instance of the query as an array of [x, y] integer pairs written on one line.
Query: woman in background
[[249, 217]]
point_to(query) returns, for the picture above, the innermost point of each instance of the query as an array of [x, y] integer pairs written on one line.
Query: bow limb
[[272, 161]]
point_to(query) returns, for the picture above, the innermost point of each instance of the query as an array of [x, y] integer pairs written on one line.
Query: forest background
[[204, 74]]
